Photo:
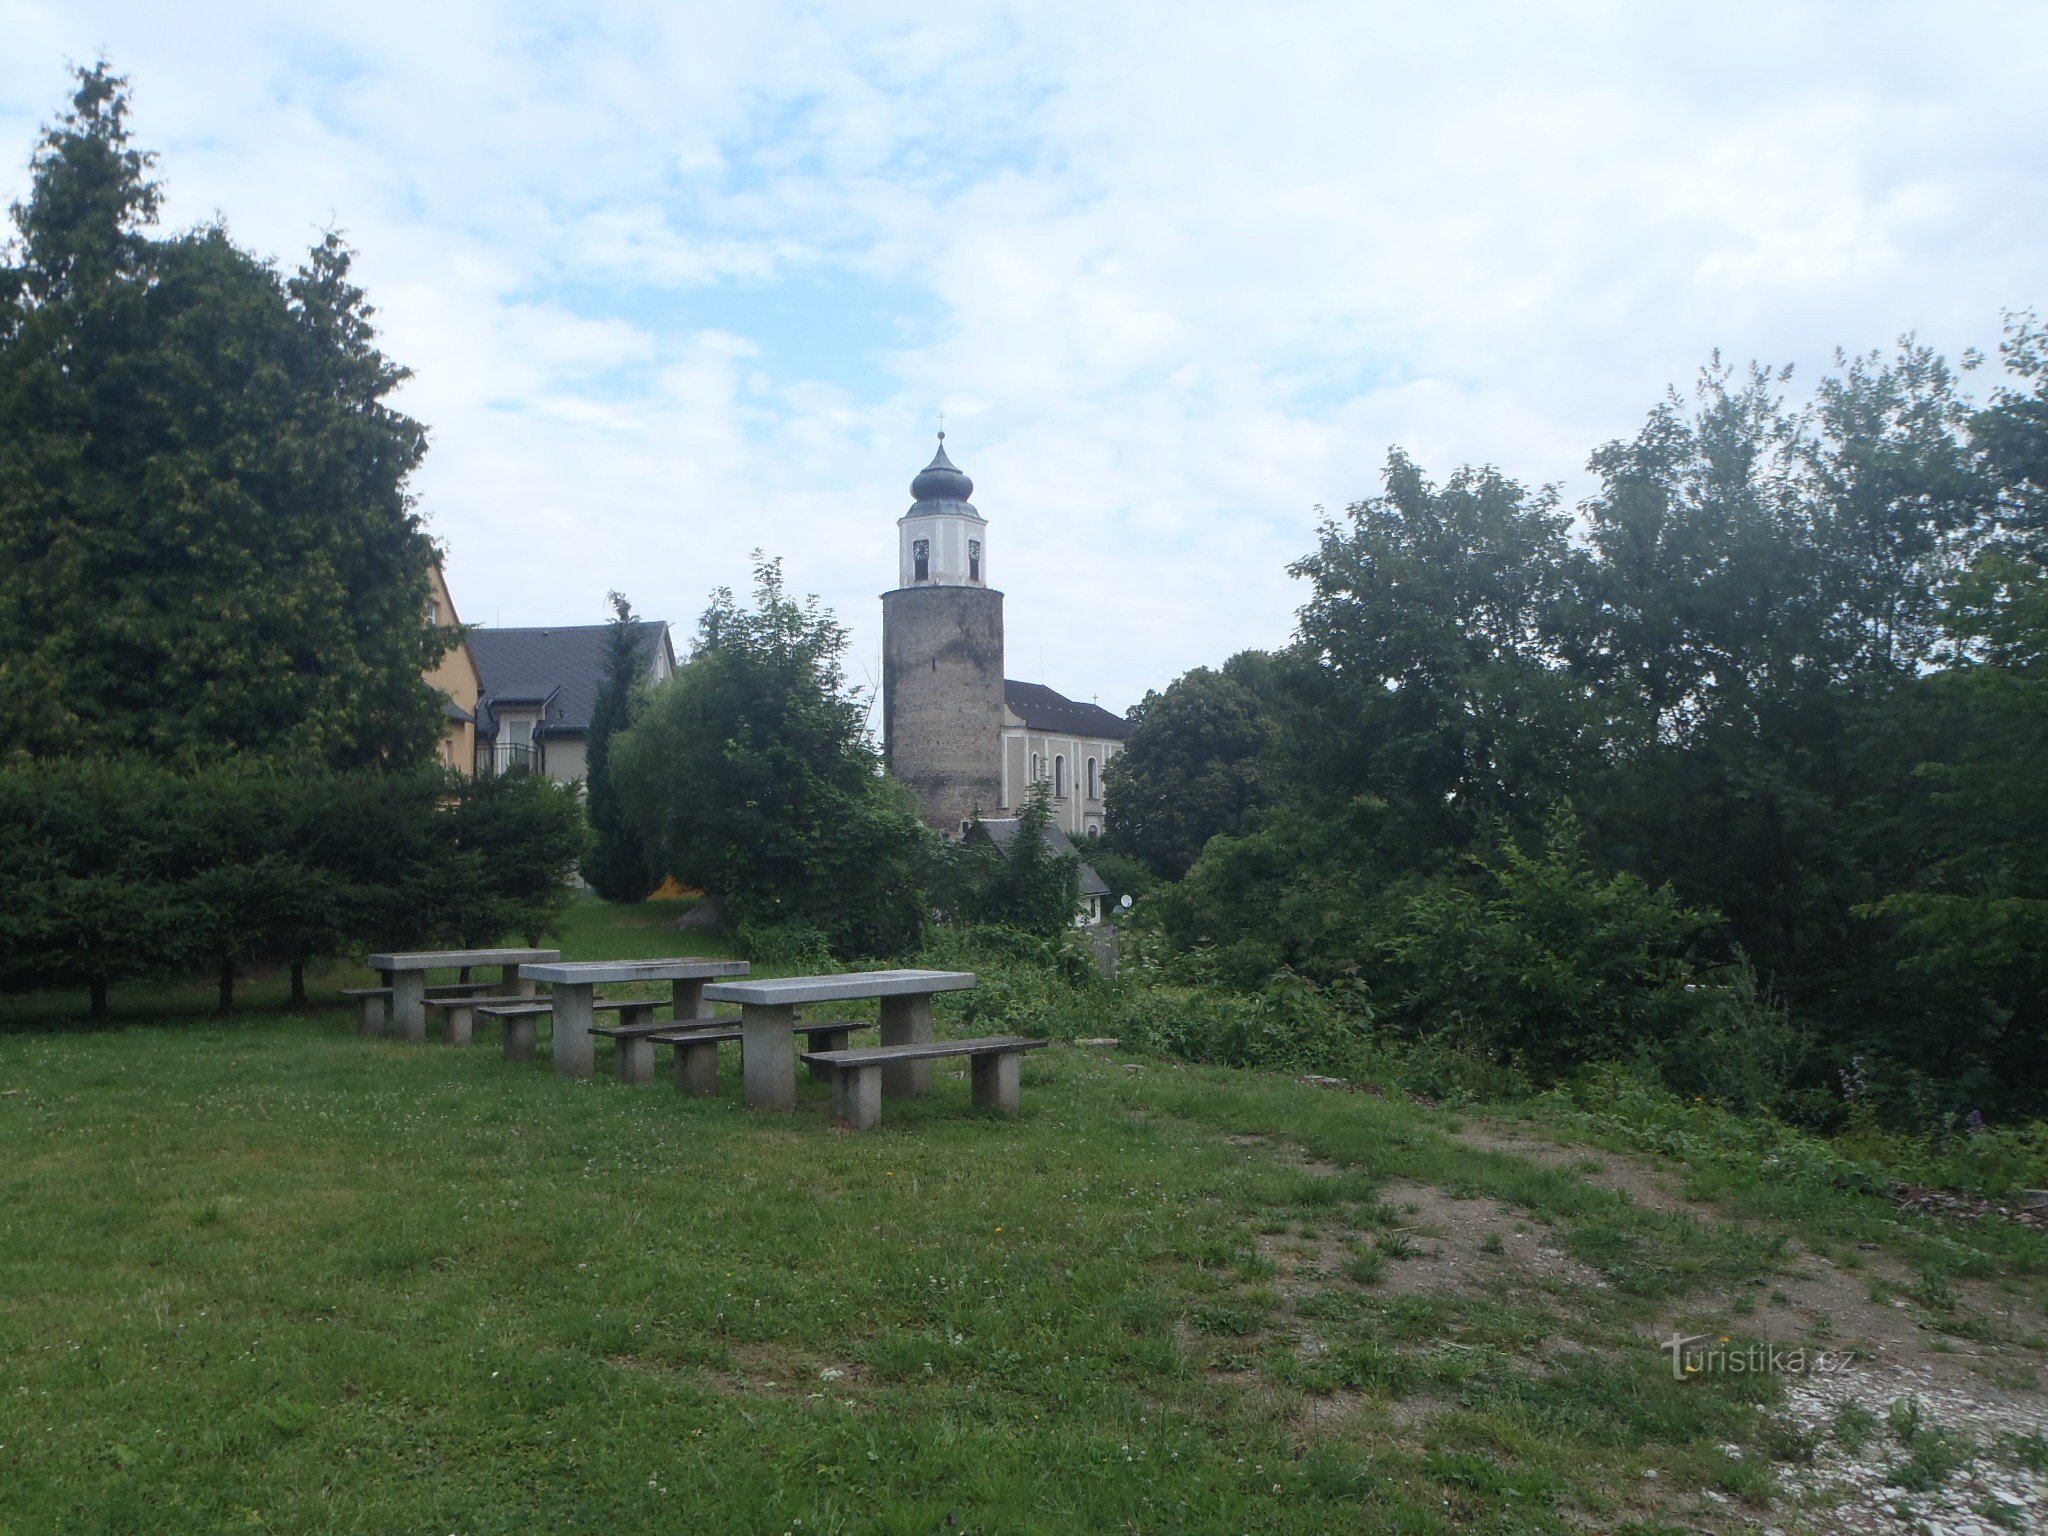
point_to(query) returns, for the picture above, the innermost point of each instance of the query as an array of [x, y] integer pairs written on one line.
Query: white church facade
[[968, 740]]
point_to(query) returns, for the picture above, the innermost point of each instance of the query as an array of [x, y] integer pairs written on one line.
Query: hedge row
[[116, 871]]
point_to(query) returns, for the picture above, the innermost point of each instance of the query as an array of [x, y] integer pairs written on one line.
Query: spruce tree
[[207, 546]]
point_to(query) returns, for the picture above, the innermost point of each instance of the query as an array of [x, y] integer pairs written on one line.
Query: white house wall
[[1076, 812]]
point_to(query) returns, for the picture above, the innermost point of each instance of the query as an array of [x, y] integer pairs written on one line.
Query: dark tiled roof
[[1043, 710], [564, 665], [1003, 833]]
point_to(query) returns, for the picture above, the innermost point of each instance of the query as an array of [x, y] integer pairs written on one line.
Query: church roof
[[1041, 709], [941, 480]]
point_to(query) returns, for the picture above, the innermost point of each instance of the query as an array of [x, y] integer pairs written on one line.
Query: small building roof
[[1041, 709], [561, 667], [1003, 833]]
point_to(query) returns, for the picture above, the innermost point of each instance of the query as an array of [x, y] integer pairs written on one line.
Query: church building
[[969, 741]]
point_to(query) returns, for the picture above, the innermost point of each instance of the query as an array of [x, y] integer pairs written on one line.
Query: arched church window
[[1091, 778], [921, 559], [974, 559], [1059, 776], [1037, 770]]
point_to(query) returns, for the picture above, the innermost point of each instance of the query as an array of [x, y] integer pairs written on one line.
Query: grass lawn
[[268, 1275]]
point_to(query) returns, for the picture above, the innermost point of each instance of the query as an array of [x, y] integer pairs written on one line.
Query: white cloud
[[679, 283]]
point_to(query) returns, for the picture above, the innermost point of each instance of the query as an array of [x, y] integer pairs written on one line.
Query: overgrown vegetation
[[1741, 786]]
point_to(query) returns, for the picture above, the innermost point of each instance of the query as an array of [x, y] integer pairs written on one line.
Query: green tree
[[207, 546], [1196, 765], [1432, 684], [749, 773], [1028, 885], [617, 869]]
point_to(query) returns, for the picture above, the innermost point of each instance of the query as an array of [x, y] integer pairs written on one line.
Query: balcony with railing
[[495, 757]]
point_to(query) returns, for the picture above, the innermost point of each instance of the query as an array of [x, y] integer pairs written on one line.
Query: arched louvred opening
[[1059, 776]]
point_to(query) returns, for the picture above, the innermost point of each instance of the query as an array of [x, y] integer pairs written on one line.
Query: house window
[[920, 559], [1091, 778], [1059, 776], [433, 610], [974, 559], [1037, 770]]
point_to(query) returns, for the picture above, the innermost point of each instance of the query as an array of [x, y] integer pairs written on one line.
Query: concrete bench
[[630, 1036], [521, 1018], [462, 1010], [697, 1049], [857, 1075], [521, 1023], [370, 1001]]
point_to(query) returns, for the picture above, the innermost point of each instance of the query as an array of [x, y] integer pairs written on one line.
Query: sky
[[682, 282]]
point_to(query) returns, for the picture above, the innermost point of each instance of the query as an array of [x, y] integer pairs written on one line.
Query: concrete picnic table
[[768, 1024], [576, 982], [405, 973]]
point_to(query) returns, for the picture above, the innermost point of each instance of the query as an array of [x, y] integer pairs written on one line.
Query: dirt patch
[[1472, 1246], [1644, 1182]]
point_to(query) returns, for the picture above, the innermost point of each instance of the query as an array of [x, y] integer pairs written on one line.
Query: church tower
[[942, 654]]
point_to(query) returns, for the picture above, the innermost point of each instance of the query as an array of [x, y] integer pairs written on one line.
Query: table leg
[[768, 1056], [409, 1005], [906, 1021], [573, 1016], [512, 984], [690, 1002]]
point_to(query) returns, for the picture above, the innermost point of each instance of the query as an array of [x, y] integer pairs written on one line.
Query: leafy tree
[[749, 773], [1975, 917], [1026, 886], [617, 869], [1195, 765], [1432, 684], [2012, 433], [207, 546]]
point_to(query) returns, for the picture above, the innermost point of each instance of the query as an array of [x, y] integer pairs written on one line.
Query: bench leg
[[370, 1016], [907, 1021], [997, 1081], [461, 1025], [409, 1005], [697, 1070], [768, 1056], [857, 1097], [520, 1034], [835, 1041], [636, 1060]]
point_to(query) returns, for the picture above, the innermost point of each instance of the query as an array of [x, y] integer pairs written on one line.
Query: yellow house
[[456, 677]]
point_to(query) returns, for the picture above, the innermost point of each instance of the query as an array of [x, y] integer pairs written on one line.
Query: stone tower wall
[[942, 698]]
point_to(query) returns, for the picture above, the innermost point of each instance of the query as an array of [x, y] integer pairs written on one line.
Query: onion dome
[[940, 480]]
